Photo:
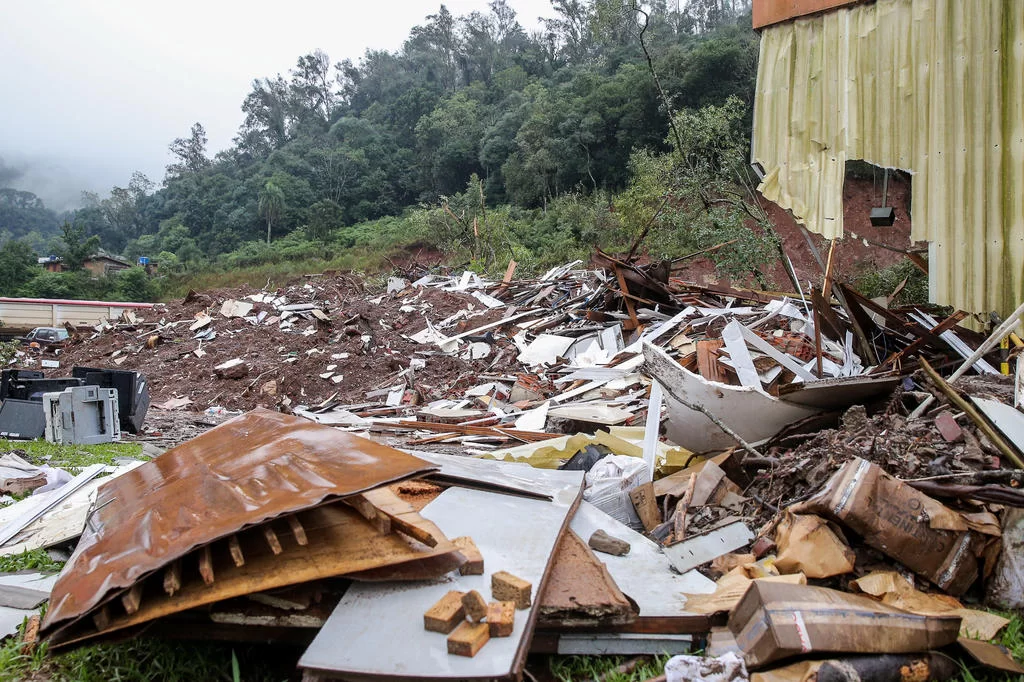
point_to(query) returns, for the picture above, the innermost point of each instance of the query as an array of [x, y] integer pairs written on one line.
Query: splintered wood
[[507, 587], [446, 614]]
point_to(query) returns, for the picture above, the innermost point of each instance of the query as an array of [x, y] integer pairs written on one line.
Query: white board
[[376, 631]]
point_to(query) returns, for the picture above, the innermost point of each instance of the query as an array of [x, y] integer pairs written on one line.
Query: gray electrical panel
[[82, 415]]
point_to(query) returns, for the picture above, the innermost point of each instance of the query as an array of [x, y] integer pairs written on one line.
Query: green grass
[[141, 660], [580, 668], [73, 458], [32, 560]]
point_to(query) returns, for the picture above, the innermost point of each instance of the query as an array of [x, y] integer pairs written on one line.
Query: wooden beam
[[297, 530], [172, 578], [206, 565], [271, 537], [235, 548], [624, 290], [132, 598]]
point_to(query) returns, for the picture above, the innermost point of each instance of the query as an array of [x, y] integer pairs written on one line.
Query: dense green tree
[[17, 266], [134, 284], [190, 152], [324, 216], [76, 247], [535, 117], [23, 212]]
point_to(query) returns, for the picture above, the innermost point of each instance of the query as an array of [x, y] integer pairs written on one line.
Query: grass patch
[[70, 457], [873, 282], [32, 560], [579, 668], [141, 660]]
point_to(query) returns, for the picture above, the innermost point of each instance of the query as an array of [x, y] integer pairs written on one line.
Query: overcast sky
[[91, 91]]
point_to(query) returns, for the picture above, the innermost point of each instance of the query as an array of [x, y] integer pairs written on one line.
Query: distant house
[[98, 265], [104, 264], [51, 263]]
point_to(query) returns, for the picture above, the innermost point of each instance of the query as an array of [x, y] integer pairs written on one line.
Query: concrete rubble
[[767, 478]]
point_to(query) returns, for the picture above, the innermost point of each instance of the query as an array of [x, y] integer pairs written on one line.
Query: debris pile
[[798, 484]]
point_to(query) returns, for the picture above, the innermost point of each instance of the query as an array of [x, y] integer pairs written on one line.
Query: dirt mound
[[363, 340]]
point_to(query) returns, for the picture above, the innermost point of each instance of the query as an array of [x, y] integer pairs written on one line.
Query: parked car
[[46, 337]]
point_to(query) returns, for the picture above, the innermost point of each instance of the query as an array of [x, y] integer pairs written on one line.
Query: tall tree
[[271, 204], [17, 266], [311, 94], [75, 248], [189, 152]]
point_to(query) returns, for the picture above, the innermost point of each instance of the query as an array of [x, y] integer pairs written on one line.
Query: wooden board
[[707, 360], [340, 543], [580, 591]]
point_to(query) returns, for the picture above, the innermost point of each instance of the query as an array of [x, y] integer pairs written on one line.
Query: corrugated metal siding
[[935, 87]]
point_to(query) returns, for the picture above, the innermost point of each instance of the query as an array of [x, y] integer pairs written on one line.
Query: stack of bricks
[[470, 621]]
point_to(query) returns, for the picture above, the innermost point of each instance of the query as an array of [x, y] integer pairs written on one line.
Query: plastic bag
[[608, 485]]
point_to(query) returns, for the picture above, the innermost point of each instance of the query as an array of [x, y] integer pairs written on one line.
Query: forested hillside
[[477, 135]]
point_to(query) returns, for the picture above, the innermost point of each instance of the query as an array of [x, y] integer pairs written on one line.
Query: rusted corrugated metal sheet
[[248, 470], [768, 12], [935, 87]]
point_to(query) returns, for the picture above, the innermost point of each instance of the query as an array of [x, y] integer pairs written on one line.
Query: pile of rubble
[[798, 483]]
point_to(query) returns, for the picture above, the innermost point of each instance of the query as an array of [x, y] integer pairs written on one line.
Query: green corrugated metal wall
[[935, 87]]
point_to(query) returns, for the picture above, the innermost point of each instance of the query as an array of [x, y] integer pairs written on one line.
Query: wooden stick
[[172, 578], [297, 530], [624, 290], [206, 565], [271, 538], [132, 598], [101, 617], [679, 517], [236, 551], [969, 409]]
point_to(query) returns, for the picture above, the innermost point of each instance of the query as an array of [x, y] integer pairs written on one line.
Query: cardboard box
[[776, 620], [920, 532]]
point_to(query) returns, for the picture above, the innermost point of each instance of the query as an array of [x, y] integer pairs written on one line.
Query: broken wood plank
[[132, 598], [630, 308], [235, 549], [297, 530], [206, 565], [272, 540], [172, 578], [679, 517], [707, 360], [402, 516]]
